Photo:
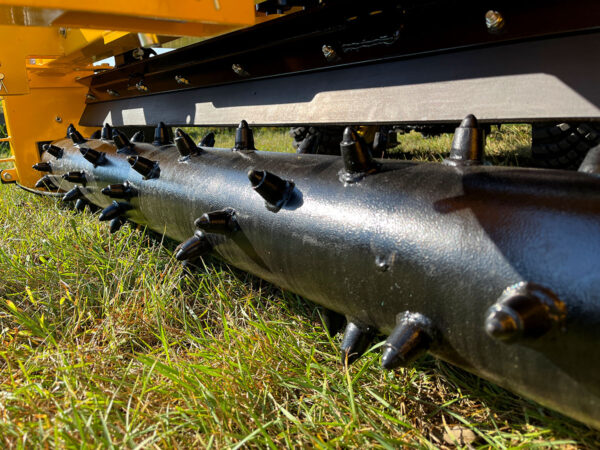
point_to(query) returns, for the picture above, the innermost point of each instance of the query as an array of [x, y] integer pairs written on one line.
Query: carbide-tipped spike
[[47, 183], [334, 322], [124, 190], [273, 189], [96, 135], [75, 177], [116, 209], [467, 144], [591, 162], [244, 137], [411, 337], [73, 194], [43, 167], [220, 222], [116, 224], [194, 247], [525, 311], [356, 156], [146, 167], [161, 135], [185, 145], [355, 342], [107, 132], [208, 140], [70, 129], [95, 157], [138, 136], [122, 143], [76, 137], [53, 150], [81, 204]]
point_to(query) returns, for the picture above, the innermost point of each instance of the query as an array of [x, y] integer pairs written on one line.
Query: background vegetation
[[104, 343]]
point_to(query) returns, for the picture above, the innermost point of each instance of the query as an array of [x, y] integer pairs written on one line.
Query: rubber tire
[[317, 140], [563, 145]]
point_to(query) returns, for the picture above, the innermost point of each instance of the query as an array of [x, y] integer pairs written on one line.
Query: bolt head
[[329, 52], [494, 21]]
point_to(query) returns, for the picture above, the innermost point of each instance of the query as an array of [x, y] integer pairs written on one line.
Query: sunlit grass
[[105, 344]]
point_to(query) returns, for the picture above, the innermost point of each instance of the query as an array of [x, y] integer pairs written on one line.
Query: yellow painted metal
[[174, 17]]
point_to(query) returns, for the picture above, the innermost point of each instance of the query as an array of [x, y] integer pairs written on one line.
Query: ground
[[103, 343]]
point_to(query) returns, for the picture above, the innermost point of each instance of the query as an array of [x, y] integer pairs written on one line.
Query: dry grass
[[105, 344]]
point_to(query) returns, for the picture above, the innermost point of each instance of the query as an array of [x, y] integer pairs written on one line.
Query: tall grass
[[105, 344]]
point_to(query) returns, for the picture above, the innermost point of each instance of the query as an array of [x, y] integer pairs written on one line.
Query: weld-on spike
[[47, 183], [334, 322], [75, 177], [194, 247], [116, 224], [42, 167], [107, 132], [96, 135], [70, 129], [95, 157], [122, 143], [161, 135], [411, 338], [525, 311], [81, 204], [467, 145], [185, 145], [76, 137], [244, 138], [208, 140], [73, 194], [148, 168], [273, 189], [53, 150], [116, 209], [124, 190], [220, 222], [355, 342], [591, 162], [356, 157], [138, 136]]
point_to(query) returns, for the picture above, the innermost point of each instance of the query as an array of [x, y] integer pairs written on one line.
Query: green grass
[[104, 344]]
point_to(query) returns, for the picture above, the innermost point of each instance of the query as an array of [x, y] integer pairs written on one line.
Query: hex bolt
[[239, 70], [494, 21]]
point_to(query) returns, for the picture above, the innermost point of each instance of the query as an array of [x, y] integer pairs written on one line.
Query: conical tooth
[[334, 322], [525, 312], [220, 222], [47, 183], [244, 138], [96, 135], [107, 132], [95, 157], [116, 224], [208, 140], [124, 190], [70, 129], [355, 342], [116, 209], [122, 143], [81, 204], [76, 137], [138, 136], [467, 144], [161, 135], [273, 189], [185, 145], [75, 177], [591, 162], [43, 167], [53, 150], [356, 156], [73, 194], [148, 168], [194, 247], [411, 338]]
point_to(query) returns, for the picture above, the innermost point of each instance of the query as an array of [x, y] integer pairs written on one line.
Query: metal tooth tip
[[411, 337], [43, 167], [73, 194], [46, 182], [194, 247], [256, 176], [95, 157], [81, 204], [184, 143], [107, 132], [208, 140], [222, 221], [161, 134], [144, 166], [116, 224], [503, 325], [138, 137], [96, 135], [119, 190], [75, 177], [53, 150], [469, 122], [355, 342], [76, 137], [244, 138], [243, 124], [349, 135], [70, 129], [116, 209]]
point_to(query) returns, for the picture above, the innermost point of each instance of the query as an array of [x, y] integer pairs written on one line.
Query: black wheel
[[563, 145], [317, 140]]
